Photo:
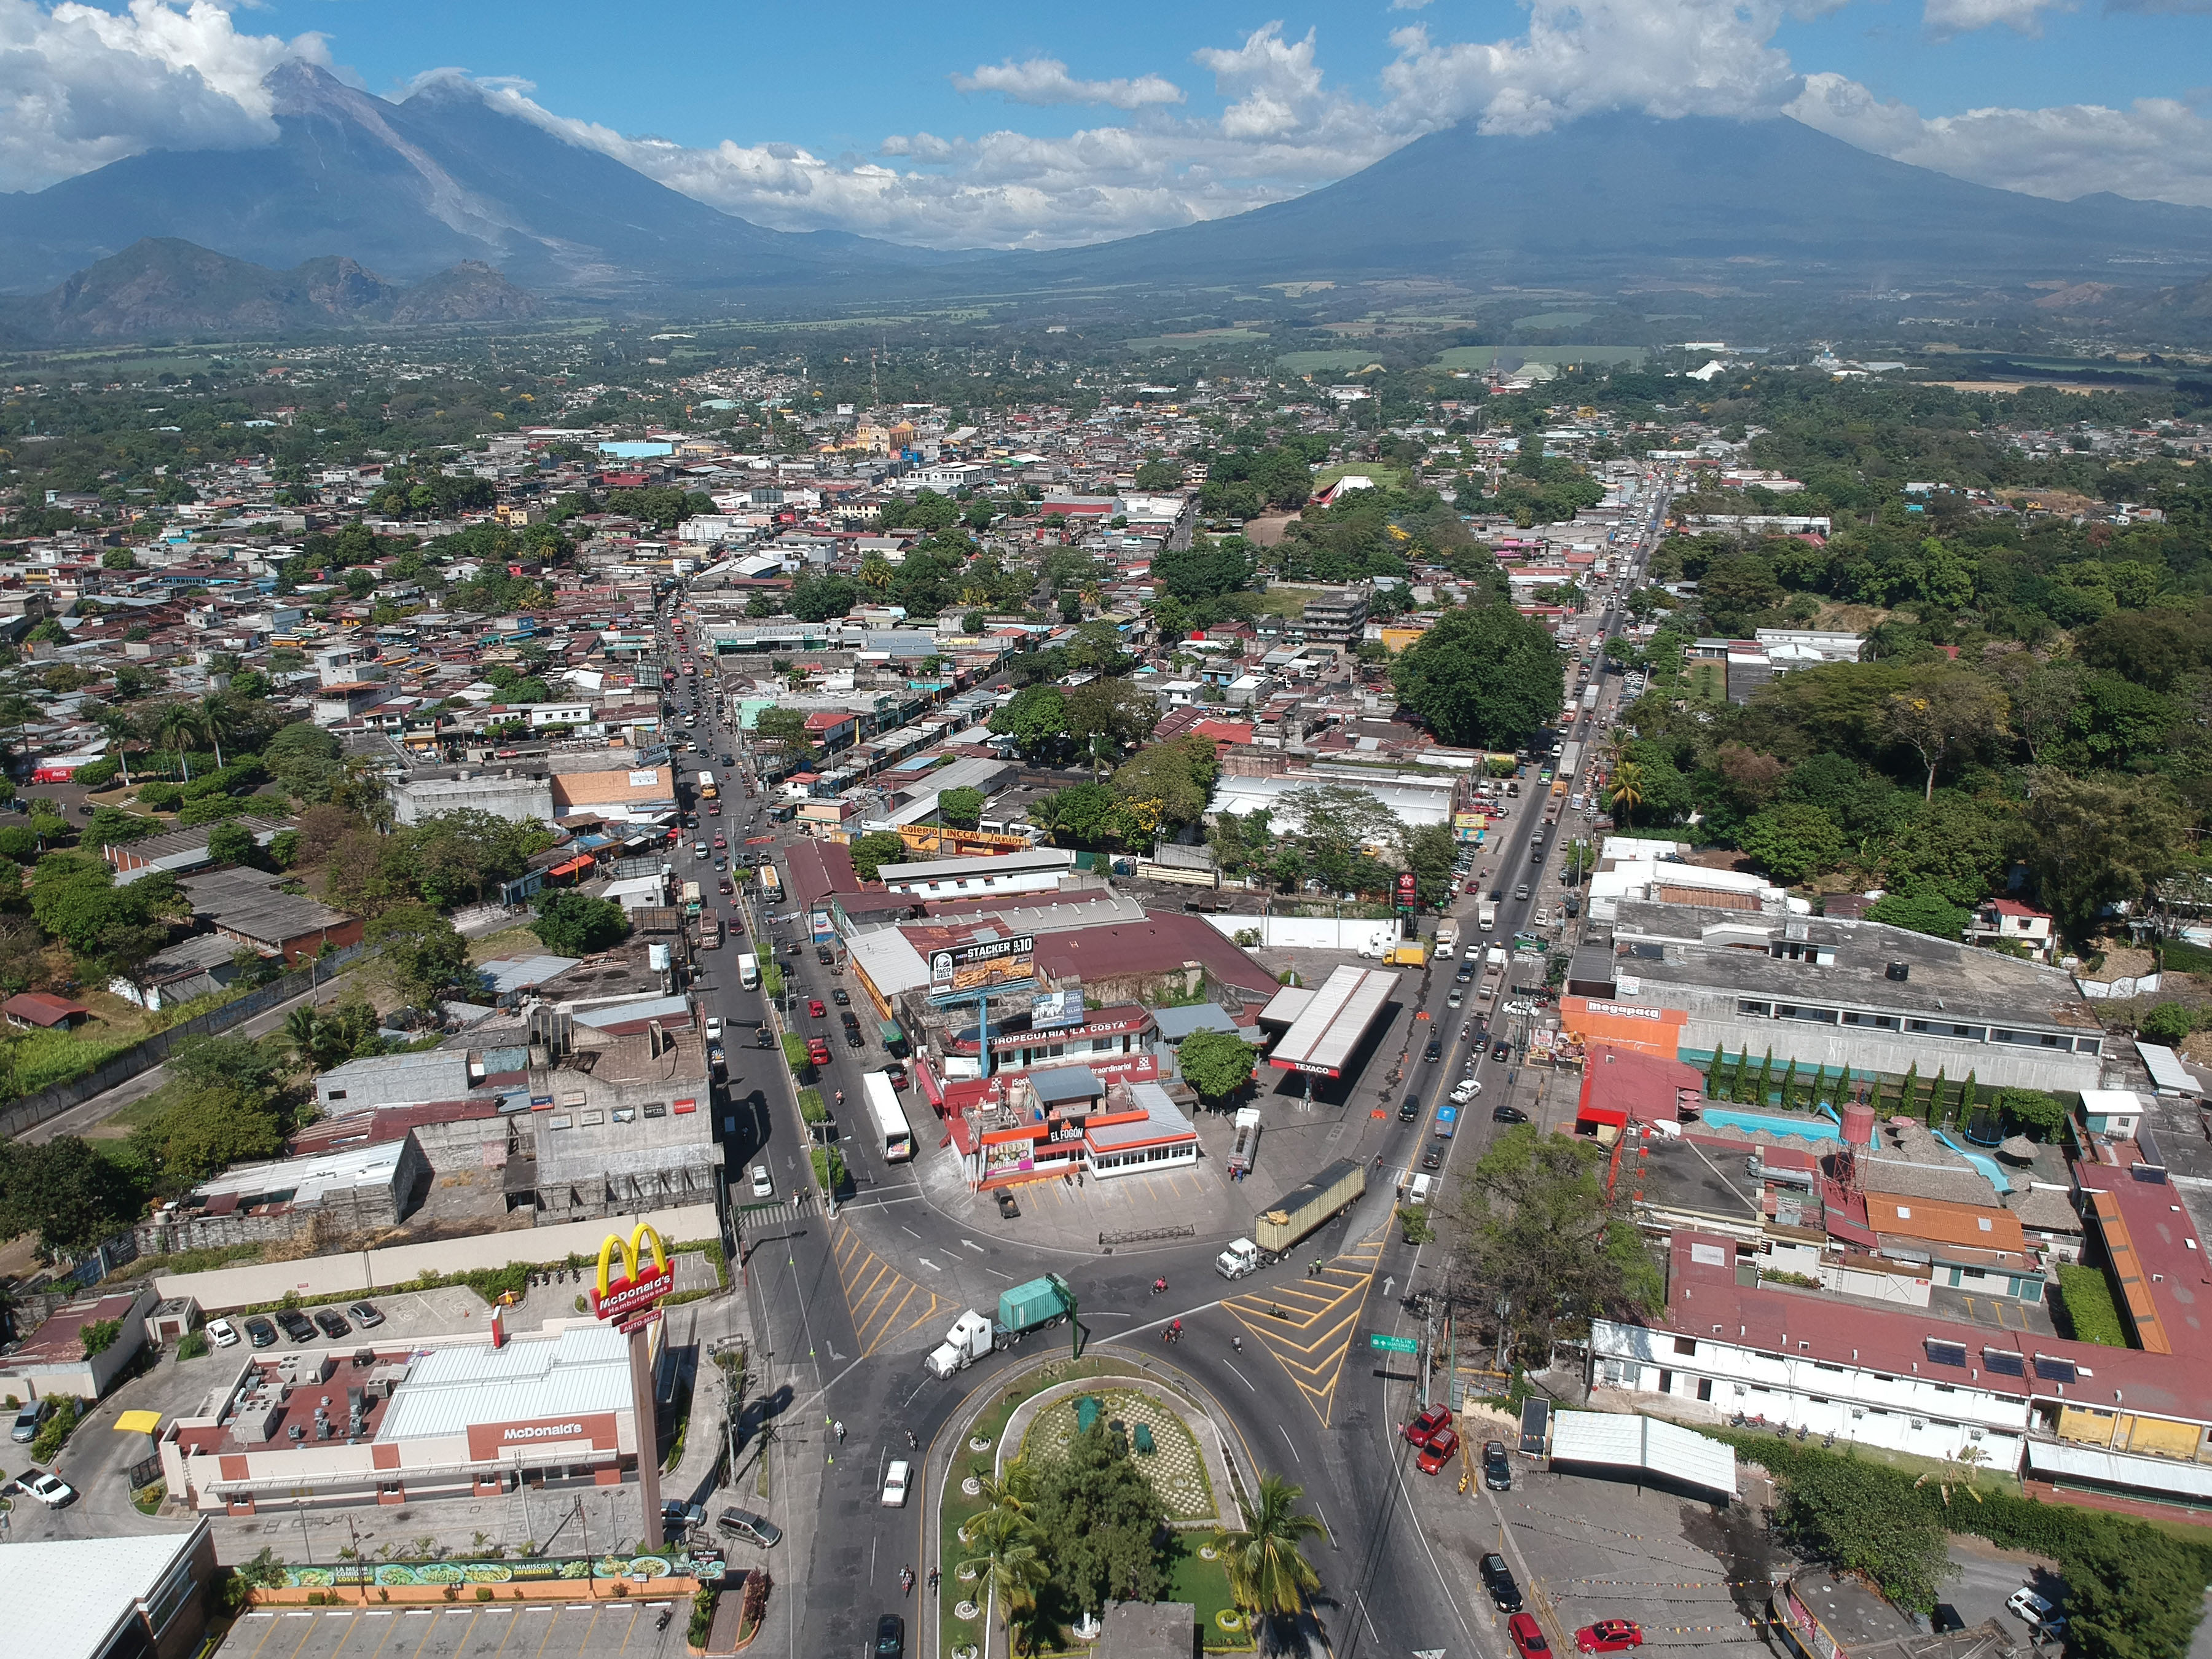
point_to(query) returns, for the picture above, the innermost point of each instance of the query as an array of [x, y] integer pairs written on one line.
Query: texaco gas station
[[570, 1404]]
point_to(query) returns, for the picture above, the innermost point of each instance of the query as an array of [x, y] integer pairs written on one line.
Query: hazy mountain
[[411, 188], [163, 286], [1623, 198]]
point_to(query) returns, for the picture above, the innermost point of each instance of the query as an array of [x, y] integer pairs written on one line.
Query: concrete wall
[[521, 800], [1306, 933], [225, 1289], [339, 1214]]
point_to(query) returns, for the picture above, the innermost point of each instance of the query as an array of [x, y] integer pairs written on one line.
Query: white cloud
[[1946, 19], [2156, 149], [1046, 81], [81, 87]]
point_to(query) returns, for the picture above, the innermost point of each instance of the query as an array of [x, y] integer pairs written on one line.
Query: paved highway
[[845, 1307]]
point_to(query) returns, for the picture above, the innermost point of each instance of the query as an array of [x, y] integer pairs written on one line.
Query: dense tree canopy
[[1485, 678]]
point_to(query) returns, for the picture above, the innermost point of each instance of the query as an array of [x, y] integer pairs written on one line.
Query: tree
[[231, 843], [1036, 718], [427, 955], [1102, 1521], [1013, 1567], [874, 850], [1539, 1233], [2032, 1113], [1950, 709], [1625, 790], [1485, 678], [1923, 913], [1106, 716], [788, 728], [1431, 852], [1268, 1573], [65, 1192], [2132, 1593], [961, 808], [1216, 1064], [2092, 843], [1792, 843], [178, 726], [1083, 815], [1858, 1517], [1168, 785], [573, 924]]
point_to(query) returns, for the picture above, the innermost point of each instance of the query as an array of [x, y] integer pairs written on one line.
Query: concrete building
[[1039, 871], [519, 797], [416, 1079], [623, 1120], [335, 1194], [1691, 979], [1338, 618], [123, 1597], [52, 1363], [393, 1424]]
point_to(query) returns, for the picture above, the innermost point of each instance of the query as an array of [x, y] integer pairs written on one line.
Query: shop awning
[[138, 1422], [573, 867]]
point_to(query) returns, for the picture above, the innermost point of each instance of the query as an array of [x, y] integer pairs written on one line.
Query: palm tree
[[876, 572], [1006, 1544], [1013, 1489], [1269, 1574], [118, 726], [219, 720], [176, 728], [299, 1032], [1627, 789]]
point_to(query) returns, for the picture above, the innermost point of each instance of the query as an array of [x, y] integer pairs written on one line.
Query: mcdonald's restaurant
[[472, 1415]]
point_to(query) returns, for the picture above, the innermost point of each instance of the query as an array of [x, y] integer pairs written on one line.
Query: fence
[[33, 1110]]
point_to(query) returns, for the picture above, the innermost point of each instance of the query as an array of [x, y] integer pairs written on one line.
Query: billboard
[[976, 967], [1051, 1009], [632, 1298], [1406, 891]]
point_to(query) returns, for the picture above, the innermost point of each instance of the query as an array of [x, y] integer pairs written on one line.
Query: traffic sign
[[1382, 1344]]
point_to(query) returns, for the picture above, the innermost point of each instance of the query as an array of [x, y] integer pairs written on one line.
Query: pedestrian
[[838, 1429]]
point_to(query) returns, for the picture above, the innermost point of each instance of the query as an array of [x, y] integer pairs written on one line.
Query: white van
[[1418, 1192]]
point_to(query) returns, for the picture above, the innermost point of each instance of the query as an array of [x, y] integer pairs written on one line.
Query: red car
[[814, 1007], [1425, 1428], [1609, 1636], [818, 1051], [1443, 1447], [1528, 1636]]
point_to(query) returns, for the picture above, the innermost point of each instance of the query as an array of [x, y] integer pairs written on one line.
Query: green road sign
[[1382, 1344]]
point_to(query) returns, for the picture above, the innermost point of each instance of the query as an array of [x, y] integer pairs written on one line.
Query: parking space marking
[[1308, 1325], [884, 1302]]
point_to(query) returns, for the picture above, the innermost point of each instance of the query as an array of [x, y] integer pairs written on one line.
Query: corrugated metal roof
[[1329, 1029], [584, 1369]]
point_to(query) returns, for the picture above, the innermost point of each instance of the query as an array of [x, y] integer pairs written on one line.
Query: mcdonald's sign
[[640, 1287]]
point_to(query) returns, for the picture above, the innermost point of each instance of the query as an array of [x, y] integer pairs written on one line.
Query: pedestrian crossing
[[1308, 1324]]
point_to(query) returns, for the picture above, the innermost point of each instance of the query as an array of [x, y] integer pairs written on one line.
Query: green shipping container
[[1040, 1302]]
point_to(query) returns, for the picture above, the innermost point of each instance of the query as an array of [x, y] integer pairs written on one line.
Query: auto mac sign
[[633, 1300]]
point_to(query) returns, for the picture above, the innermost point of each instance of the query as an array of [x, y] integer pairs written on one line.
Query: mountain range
[[447, 182]]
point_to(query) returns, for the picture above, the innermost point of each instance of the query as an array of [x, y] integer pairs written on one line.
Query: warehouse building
[[144, 1597]]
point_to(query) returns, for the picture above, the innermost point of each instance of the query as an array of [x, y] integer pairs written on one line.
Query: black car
[[1496, 1472], [890, 1636], [849, 1019], [1434, 1051], [1434, 1157], [297, 1325], [1409, 1108], [1507, 1114], [331, 1324], [1008, 1210], [260, 1333], [1466, 972], [842, 997], [763, 1038], [1497, 1579], [824, 955], [854, 1039], [1501, 1051]]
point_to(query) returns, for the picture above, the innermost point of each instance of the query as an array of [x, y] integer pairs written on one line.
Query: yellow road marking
[[878, 1295], [1312, 1342]]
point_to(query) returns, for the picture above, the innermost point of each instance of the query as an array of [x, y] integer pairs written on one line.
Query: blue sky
[[1014, 124]]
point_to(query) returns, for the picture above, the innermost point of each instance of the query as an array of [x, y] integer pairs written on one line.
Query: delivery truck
[[1245, 1148], [1040, 1302], [1326, 1196], [1447, 938], [1485, 915], [749, 970]]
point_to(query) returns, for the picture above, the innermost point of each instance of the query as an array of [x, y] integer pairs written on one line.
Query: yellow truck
[[1410, 954]]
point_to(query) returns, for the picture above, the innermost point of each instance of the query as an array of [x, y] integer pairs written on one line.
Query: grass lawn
[[1386, 477], [1205, 1585], [507, 942], [1285, 599], [1708, 680]]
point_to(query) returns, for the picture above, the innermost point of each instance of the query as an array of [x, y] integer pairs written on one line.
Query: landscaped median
[[1075, 1423]]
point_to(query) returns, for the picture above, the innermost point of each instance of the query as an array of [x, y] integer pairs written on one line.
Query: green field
[[1484, 356], [1385, 476], [1314, 362], [1556, 319]]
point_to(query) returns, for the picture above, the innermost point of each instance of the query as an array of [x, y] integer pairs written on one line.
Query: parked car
[[2036, 1610], [49, 1489], [297, 1325], [260, 1333], [1497, 1472], [1425, 1427], [842, 997], [714, 1028], [1609, 1636], [1501, 1050], [895, 1484], [1503, 1114], [763, 1185], [753, 1528], [677, 1517], [825, 955], [332, 1323], [365, 1314], [28, 1418], [1528, 1636], [1443, 1447], [223, 1333], [1497, 1579]]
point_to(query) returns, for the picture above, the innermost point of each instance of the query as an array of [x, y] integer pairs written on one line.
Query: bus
[[897, 1139], [707, 791], [771, 883]]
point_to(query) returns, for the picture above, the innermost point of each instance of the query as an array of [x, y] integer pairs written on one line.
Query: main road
[[846, 1306]]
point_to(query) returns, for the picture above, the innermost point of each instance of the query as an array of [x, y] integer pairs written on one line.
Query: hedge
[[2085, 1296]]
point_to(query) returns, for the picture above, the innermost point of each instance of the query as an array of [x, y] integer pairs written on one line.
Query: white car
[[763, 1187], [49, 1489], [223, 1333], [1467, 1090], [895, 1478], [714, 1028], [2025, 1603]]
